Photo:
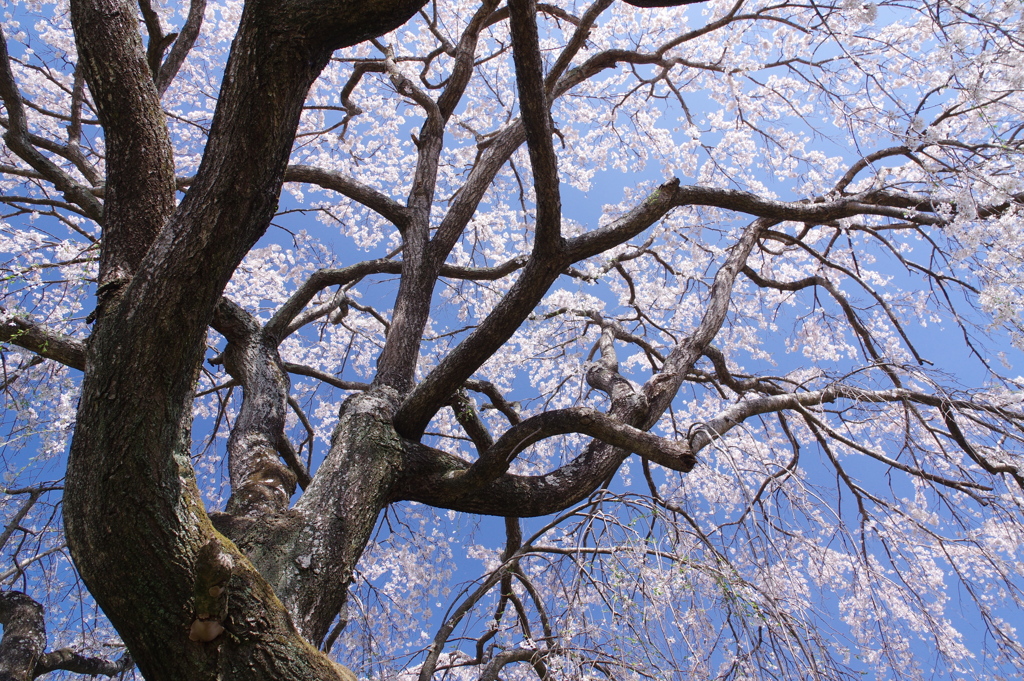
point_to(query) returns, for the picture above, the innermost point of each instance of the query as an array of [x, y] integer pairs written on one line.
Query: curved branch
[[495, 461], [518, 495], [386, 207], [279, 325]]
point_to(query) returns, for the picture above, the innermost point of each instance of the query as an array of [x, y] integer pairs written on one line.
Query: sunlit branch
[[24, 635], [383, 205], [661, 388], [705, 432], [959, 437], [36, 338]]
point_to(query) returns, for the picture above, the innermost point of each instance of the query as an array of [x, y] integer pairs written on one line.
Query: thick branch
[[388, 208], [70, 660], [495, 461], [139, 192], [34, 337], [24, 636], [260, 483]]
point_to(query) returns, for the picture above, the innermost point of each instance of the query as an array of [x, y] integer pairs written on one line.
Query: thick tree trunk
[[135, 521]]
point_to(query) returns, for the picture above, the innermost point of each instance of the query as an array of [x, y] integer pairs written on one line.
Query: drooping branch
[[859, 328], [22, 143]]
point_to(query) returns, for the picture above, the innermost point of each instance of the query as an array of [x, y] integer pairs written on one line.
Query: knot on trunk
[[268, 489], [213, 571]]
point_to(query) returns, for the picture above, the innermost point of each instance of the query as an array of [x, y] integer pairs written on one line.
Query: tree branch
[[21, 143], [24, 635], [139, 191], [386, 207], [536, 113], [36, 338], [260, 483], [72, 661], [182, 46], [495, 461]]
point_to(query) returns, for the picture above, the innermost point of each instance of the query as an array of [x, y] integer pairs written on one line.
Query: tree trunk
[[135, 521]]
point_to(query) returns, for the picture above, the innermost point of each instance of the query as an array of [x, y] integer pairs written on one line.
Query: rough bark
[[134, 517], [139, 191], [24, 636], [248, 592]]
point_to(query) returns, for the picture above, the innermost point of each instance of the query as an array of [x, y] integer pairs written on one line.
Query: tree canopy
[[475, 339]]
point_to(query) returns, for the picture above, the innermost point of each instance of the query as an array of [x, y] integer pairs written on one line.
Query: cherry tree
[[709, 312]]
